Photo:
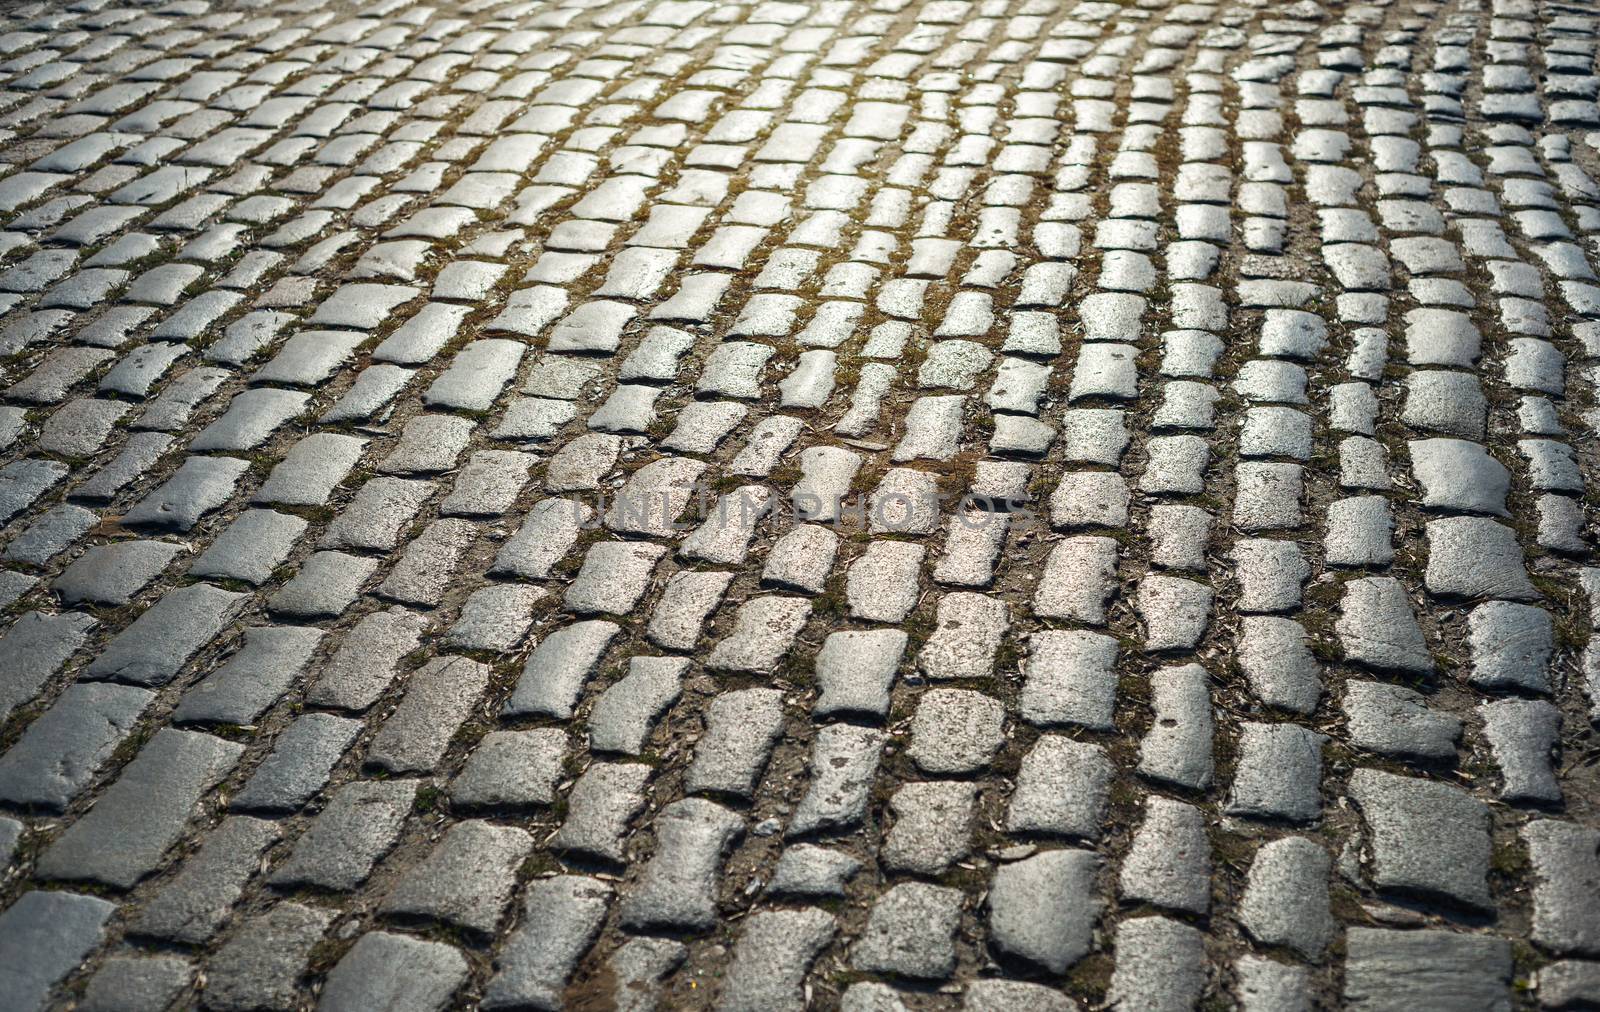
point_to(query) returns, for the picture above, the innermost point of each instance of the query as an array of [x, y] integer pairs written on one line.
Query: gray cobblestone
[[600, 806], [1394, 969], [438, 699], [146, 810], [360, 824], [911, 932], [46, 934], [394, 971], [561, 918], [137, 984], [299, 765], [195, 903], [1402, 812], [1276, 326], [468, 878], [1042, 908], [60, 753], [1286, 898], [260, 965], [1169, 864], [253, 679]]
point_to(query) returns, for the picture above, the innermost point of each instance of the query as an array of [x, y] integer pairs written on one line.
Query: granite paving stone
[[1401, 813], [955, 731], [364, 663], [1177, 749], [1389, 969], [251, 548], [146, 809], [340, 847], [771, 958], [1286, 897], [253, 679], [135, 982], [468, 878], [1522, 737], [47, 934], [325, 585], [1042, 909], [1164, 428], [742, 726], [1279, 773], [1159, 964], [298, 767], [677, 888], [910, 932], [843, 761], [33, 649], [554, 675], [640, 967], [260, 965], [1394, 720], [600, 806], [512, 768], [394, 971], [438, 698], [200, 486], [60, 752], [198, 900], [562, 916], [1169, 863], [1563, 860]]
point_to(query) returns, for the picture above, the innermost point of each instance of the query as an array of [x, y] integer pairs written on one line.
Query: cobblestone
[[260, 964], [1390, 968], [1042, 908], [911, 932], [195, 903], [394, 971], [362, 821], [1089, 391], [468, 878], [1402, 811], [145, 810], [562, 917]]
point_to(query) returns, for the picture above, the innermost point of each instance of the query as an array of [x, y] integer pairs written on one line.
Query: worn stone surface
[[1160, 964], [59, 754], [561, 917], [770, 960], [46, 934], [260, 965], [685, 503], [386, 970], [1393, 970], [1286, 897], [1563, 856], [439, 697], [932, 826], [468, 878], [146, 810], [677, 889], [196, 902], [741, 729], [1169, 862], [1427, 838], [911, 932], [362, 821], [1042, 909], [137, 983]]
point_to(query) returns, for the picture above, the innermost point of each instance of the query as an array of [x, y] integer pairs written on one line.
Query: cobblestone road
[[880, 504]]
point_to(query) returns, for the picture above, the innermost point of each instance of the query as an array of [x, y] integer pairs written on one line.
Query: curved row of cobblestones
[[864, 504]]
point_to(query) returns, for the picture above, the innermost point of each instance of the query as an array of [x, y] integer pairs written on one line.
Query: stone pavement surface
[[865, 504]]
